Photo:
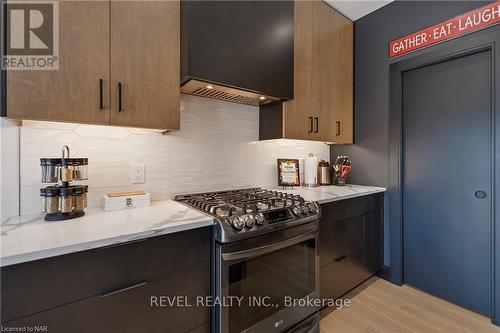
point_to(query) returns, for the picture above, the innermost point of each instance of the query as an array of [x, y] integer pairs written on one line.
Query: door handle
[[120, 97], [101, 92], [338, 128], [310, 124], [316, 121], [480, 194]]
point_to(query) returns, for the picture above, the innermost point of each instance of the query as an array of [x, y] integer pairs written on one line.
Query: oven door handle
[[265, 249]]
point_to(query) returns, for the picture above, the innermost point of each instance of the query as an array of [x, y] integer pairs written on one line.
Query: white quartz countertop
[[325, 194], [27, 238]]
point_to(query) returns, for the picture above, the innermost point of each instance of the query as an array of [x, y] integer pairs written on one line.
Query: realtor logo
[[31, 35]]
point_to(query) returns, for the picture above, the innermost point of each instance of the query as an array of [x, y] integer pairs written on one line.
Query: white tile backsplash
[[217, 148], [9, 169]]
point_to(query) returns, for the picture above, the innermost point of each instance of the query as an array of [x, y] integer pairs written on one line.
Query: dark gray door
[[447, 180]]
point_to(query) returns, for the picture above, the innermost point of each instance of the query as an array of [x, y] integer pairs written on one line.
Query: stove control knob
[[249, 221], [296, 210], [238, 223], [259, 218], [304, 209]]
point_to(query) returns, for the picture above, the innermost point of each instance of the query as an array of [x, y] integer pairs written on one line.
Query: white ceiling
[[355, 9]]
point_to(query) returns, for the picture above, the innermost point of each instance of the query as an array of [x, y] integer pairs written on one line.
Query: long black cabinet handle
[[101, 93], [316, 122], [338, 259], [338, 127], [120, 97], [310, 124], [123, 289]]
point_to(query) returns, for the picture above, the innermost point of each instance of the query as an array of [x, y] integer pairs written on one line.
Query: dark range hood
[[237, 51]]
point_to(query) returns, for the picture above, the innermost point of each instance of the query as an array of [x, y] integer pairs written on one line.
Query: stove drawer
[[43, 284]]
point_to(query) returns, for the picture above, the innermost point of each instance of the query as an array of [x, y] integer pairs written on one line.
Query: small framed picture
[[288, 172]]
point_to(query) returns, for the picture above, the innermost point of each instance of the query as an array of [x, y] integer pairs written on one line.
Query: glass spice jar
[[50, 169], [80, 168], [50, 199], [79, 197], [67, 173], [43, 194], [66, 199], [85, 197]]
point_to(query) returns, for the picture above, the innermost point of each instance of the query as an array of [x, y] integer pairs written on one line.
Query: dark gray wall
[[373, 33], [370, 152]]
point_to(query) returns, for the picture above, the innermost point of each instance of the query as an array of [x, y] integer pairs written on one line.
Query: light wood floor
[[381, 307]]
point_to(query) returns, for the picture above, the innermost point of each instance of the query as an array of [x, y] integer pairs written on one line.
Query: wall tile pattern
[[217, 148]]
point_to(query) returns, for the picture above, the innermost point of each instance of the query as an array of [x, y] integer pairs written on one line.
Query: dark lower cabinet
[[350, 244], [132, 310], [338, 278], [373, 241], [163, 266]]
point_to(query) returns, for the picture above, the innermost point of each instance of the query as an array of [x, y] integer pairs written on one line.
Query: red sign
[[474, 20]]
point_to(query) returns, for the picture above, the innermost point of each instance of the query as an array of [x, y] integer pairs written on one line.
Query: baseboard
[[385, 273]]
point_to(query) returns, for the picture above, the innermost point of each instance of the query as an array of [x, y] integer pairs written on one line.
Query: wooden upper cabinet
[[71, 93], [297, 115], [343, 81], [322, 108], [103, 44], [145, 62]]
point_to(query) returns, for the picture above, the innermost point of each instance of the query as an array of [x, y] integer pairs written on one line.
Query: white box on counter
[[125, 200]]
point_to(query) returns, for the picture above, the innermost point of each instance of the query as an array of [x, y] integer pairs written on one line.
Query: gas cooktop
[[250, 212]]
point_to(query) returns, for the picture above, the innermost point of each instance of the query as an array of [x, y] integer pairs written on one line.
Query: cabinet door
[[145, 64], [338, 278], [341, 88], [323, 71], [298, 113], [133, 309], [373, 241], [71, 93], [333, 68], [39, 285], [326, 250]]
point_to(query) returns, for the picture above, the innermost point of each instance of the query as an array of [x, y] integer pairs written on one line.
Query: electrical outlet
[[138, 174]]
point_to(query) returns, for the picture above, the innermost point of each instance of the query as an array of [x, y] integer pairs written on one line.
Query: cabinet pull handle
[[338, 127], [120, 97], [339, 259], [123, 289], [316, 122], [310, 124], [101, 92]]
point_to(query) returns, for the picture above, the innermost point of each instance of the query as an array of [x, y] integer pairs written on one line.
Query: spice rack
[[63, 201]]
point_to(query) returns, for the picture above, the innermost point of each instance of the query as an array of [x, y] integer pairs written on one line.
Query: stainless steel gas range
[[265, 260]]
